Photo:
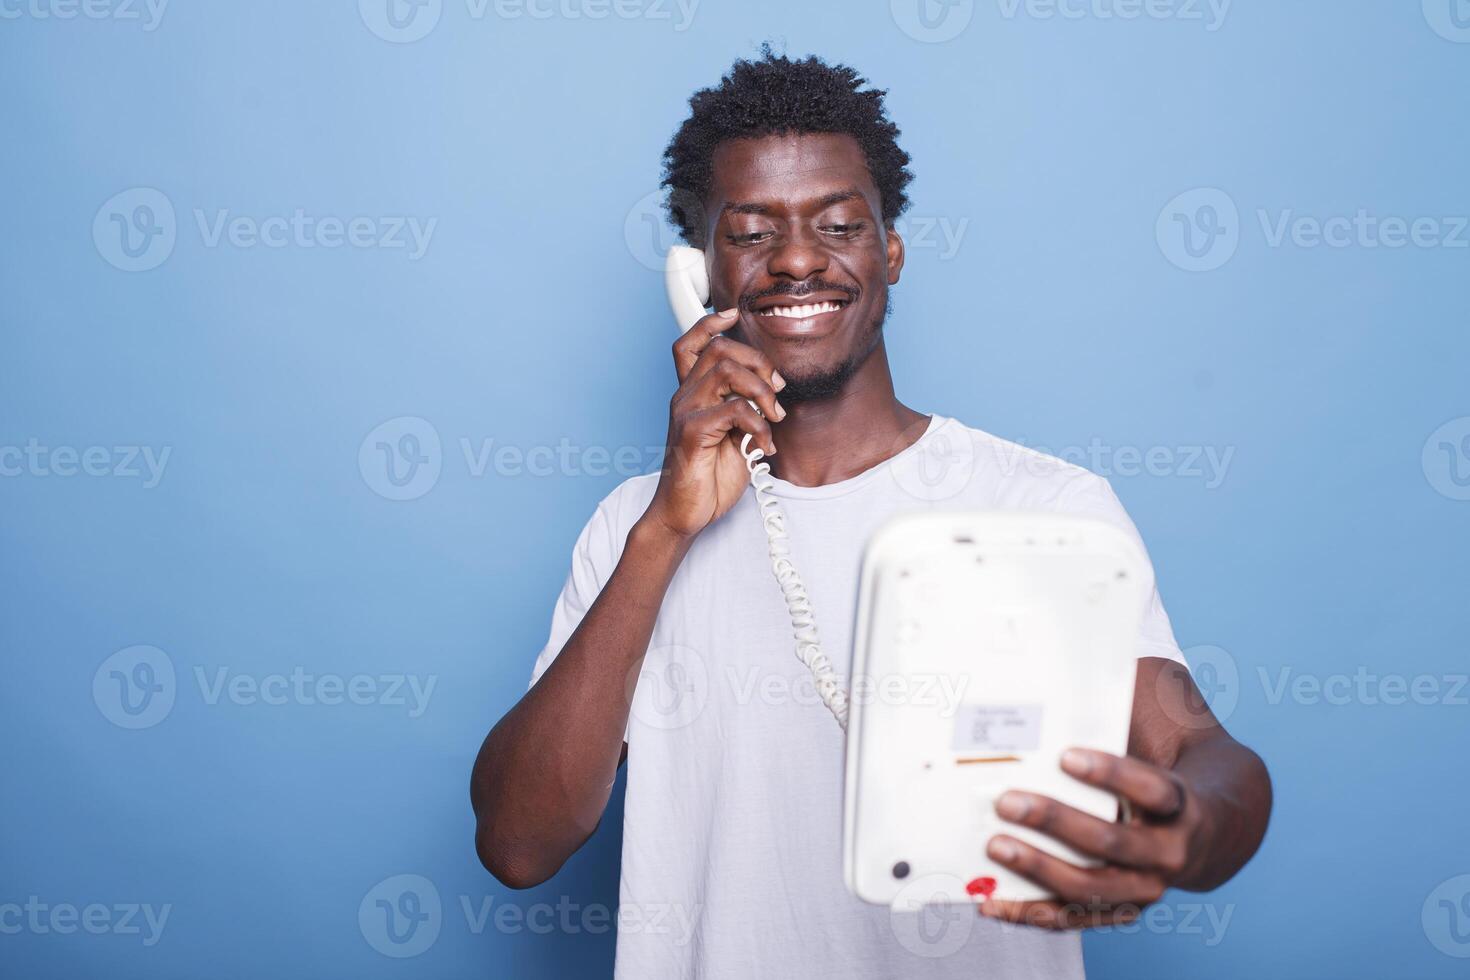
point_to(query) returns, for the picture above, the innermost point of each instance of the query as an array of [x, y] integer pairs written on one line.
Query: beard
[[823, 384]]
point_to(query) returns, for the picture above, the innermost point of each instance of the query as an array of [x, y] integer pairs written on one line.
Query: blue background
[[536, 316]]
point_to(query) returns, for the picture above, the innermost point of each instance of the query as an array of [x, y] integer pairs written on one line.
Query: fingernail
[[777, 381], [727, 314], [780, 411], [1003, 850], [1077, 762], [1013, 806]]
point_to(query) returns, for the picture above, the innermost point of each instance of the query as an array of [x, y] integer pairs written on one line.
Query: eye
[[844, 230], [750, 238]]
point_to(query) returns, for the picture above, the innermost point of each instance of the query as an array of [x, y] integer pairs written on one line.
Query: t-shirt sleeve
[[594, 557], [1093, 496], [597, 552]]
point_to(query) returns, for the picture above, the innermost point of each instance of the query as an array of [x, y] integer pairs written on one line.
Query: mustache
[[798, 290]]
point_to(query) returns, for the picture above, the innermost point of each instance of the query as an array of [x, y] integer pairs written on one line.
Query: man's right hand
[[704, 472]]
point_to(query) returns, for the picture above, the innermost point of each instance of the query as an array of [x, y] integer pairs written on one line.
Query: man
[[789, 176]]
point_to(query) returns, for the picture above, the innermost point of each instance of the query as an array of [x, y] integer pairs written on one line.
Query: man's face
[[796, 241]]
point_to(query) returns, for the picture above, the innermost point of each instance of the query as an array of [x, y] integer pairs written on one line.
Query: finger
[[729, 378], [730, 418], [1057, 915], [721, 349], [1112, 842], [1091, 886], [1142, 784], [687, 348]]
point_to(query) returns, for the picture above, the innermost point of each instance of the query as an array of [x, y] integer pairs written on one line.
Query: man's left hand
[[1164, 837]]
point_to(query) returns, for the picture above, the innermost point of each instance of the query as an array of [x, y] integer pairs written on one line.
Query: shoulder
[[1012, 474], [607, 529], [629, 499]]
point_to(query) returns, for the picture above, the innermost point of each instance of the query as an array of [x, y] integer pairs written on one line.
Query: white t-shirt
[[732, 827]]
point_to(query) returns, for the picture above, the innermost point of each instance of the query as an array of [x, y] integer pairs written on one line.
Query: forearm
[[544, 773], [1230, 784]]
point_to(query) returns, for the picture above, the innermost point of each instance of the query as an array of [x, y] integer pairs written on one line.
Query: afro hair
[[774, 95]]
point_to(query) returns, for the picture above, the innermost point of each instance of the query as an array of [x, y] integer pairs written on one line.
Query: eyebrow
[[836, 197]]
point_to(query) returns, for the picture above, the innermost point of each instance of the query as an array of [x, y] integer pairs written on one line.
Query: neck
[[835, 439]]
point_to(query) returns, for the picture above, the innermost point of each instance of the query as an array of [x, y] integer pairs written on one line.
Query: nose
[[800, 257]]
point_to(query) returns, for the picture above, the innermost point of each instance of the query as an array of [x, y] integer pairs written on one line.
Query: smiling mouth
[[803, 311]]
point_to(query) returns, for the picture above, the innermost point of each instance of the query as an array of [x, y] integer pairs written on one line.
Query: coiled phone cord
[[798, 604]]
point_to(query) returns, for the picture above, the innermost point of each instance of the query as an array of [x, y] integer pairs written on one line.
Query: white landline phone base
[[1030, 621]]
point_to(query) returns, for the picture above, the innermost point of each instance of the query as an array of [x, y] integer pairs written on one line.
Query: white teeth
[[800, 312]]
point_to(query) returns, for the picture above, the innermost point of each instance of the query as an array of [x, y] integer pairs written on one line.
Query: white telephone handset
[[687, 282]]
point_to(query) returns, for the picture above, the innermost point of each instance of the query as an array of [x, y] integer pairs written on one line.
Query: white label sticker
[[997, 728]]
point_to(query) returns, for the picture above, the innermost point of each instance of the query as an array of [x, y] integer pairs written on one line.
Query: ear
[[895, 256]]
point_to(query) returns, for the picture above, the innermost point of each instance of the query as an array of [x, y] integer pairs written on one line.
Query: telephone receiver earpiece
[[687, 281]]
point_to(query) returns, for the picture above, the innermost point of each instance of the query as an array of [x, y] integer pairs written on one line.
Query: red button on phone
[[984, 887]]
